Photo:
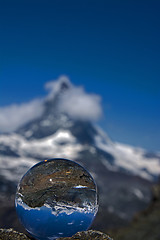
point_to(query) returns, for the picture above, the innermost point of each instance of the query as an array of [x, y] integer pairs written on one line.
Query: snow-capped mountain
[[63, 144], [123, 173]]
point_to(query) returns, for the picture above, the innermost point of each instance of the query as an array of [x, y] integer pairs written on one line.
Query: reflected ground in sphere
[[56, 192]]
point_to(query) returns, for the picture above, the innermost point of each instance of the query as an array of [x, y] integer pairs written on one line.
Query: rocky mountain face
[[145, 224], [124, 174]]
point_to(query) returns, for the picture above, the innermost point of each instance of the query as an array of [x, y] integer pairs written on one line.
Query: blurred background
[[80, 80]]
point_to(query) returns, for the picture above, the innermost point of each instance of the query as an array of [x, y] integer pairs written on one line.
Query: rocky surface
[[10, 234], [88, 235]]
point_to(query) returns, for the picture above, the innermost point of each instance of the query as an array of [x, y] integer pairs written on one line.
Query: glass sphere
[[56, 198]]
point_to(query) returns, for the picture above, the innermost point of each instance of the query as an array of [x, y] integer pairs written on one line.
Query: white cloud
[[74, 101], [80, 105], [14, 116]]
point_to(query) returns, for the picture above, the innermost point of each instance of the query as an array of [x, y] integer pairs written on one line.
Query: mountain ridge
[[123, 174]]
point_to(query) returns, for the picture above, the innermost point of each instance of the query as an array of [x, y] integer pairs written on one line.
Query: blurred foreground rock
[[88, 235], [9, 234]]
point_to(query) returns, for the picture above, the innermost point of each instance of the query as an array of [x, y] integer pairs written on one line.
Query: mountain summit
[[52, 117], [65, 129], [59, 115]]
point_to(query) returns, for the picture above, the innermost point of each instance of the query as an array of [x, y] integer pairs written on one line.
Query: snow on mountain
[[12, 169], [132, 159], [63, 144], [25, 153]]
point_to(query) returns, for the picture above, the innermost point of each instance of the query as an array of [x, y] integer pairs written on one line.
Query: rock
[[88, 235], [10, 234]]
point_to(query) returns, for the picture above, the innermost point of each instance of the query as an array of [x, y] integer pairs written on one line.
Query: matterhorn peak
[[57, 86], [65, 107]]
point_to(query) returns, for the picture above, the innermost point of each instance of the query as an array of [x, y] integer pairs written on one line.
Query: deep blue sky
[[112, 48]]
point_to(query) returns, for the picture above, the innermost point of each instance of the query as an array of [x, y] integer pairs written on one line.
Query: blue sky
[[109, 47]]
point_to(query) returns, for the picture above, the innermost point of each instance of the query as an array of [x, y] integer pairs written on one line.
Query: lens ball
[[56, 198]]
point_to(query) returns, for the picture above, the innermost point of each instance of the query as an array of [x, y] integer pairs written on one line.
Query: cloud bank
[[74, 101], [15, 115]]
